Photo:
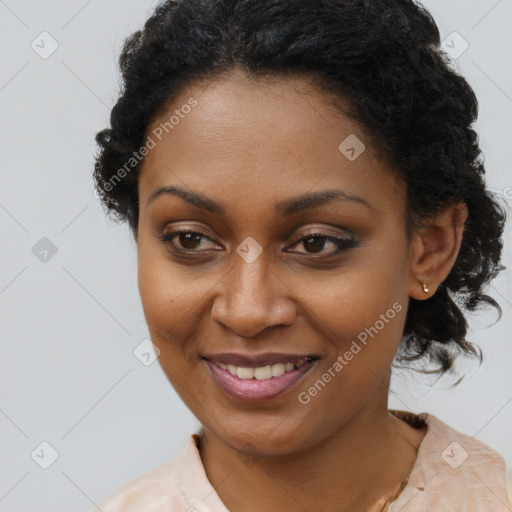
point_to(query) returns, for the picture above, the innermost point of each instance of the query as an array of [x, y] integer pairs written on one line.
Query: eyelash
[[342, 244]]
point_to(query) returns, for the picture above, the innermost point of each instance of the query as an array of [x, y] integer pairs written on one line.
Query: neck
[[365, 458]]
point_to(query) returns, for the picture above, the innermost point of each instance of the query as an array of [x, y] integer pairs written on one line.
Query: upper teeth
[[260, 373]]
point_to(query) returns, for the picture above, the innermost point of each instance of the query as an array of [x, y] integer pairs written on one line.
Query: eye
[[188, 240], [314, 243]]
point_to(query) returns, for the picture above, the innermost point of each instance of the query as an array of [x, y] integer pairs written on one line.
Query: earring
[[425, 288]]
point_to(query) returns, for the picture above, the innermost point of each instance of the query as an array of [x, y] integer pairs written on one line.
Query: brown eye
[[189, 240], [186, 241], [314, 243]]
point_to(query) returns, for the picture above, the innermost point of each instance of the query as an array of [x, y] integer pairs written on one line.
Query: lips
[[231, 373]]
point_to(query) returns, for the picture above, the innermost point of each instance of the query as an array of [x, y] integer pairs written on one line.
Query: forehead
[[259, 137], [237, 106]]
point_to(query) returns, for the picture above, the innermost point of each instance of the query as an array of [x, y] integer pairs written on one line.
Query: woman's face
[[260, 278]]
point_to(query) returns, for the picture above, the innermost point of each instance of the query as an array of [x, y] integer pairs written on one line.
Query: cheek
[[359, 297], [173, 300], [361, 312], [164, 299]]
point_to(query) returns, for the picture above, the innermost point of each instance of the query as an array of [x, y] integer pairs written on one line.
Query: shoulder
[[455, 471], [143, 492], [455, 450], [156, 490]]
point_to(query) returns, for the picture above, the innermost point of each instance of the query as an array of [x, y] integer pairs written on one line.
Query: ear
[[434, 249]]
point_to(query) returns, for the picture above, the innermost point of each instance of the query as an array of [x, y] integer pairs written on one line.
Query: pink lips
[[253, 390]]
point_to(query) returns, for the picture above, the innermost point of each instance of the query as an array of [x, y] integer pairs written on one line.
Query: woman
[[308, 202]]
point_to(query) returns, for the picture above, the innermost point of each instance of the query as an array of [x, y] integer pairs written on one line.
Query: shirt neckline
[[200, 493]]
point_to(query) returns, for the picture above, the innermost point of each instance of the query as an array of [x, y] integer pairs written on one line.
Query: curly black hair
[[382, 59]]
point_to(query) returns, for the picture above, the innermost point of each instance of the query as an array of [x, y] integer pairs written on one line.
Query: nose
[[252, 297]]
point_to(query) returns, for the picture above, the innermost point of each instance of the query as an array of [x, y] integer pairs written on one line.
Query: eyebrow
[[284, 208]]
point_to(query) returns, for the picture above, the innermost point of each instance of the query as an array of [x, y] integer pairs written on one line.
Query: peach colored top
[[452, 472]]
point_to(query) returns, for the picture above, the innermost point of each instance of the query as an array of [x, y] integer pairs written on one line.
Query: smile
[[259, 383], [262, 372]]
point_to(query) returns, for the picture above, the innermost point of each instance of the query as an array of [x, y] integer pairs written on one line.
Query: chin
[[251, 441]]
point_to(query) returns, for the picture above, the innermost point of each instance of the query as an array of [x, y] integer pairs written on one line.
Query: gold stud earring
[[425, 288]]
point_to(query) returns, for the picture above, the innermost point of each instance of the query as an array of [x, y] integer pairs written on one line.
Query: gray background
[[69, 325]]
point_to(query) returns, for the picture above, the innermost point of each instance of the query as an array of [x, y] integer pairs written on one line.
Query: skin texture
[[250, 144]]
